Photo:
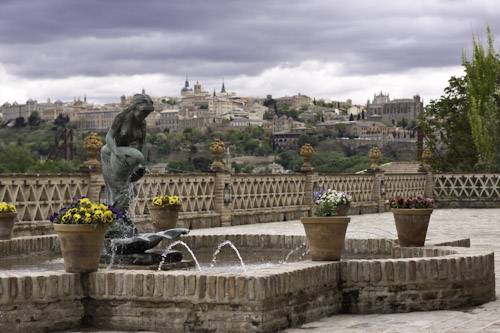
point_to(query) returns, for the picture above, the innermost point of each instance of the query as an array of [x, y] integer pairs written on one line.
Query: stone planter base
[[325, 236], [411, 225], [81, 246], [164, 217], [6, 225]]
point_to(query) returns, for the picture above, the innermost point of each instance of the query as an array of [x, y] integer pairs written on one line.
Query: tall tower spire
[[223, 90]]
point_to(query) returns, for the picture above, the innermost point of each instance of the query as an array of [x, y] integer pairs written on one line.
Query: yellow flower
[[93, 208], [66, 218], [108, 216], [172, 201], [157, 201], [85, 202], [76, 217], [103, 207], [12, 208], [87, 218], [73, 211], [98, 214]]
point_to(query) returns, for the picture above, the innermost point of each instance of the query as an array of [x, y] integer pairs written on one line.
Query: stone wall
[[256, 198], [263, 300]]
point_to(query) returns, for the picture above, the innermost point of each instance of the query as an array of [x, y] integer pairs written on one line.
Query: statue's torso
[[129, 133]]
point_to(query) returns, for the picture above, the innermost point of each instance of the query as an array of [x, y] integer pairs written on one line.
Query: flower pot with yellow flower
[[80, 228], [7, 215], [164, 211]]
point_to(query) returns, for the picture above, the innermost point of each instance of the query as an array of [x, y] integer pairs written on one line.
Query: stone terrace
[[480, 225]]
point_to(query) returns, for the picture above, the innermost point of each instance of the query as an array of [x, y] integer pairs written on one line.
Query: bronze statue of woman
[[123, 165]]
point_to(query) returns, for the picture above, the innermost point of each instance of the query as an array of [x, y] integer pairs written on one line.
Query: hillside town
[[382, 121]]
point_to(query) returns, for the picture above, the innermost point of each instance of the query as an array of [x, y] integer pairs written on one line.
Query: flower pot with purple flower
[[411, 216]]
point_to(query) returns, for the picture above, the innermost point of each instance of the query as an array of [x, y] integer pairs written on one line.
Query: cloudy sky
[[62, 49]]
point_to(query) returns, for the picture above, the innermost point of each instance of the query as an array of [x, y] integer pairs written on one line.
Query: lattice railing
[[36, 197], [406, 185], [467, 185], [268, 191], [196, 191], [357, 185]]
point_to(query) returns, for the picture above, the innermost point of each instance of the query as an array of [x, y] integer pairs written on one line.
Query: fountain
[[122, 167]]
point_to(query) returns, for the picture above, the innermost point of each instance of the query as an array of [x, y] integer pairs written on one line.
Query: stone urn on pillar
[[217, 149], [427, 156], [374, 156], [306, 152], [92, 144]]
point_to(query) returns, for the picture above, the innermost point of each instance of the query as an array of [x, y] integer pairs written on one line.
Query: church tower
[[186, 90]]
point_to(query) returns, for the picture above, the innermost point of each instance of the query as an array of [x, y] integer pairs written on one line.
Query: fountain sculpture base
[[149, 257]]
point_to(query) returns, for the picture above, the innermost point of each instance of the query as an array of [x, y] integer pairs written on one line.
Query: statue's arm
[[111, 135]]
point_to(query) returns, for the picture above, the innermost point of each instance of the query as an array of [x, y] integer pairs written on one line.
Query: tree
[[34, 120], [359, 116], [341, 129], [462, 128], [363, 114], [16, 159], [402, 123], [351, 117], [19, 122], [202, 163], [61, 120], [447, 131], [482, 73]]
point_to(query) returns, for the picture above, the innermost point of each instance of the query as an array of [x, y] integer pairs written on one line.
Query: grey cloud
[[60, 38]]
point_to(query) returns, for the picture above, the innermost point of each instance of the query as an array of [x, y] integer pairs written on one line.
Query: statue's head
[[141, 106]]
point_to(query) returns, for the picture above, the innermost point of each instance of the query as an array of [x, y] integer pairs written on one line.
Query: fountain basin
[[264, 300]]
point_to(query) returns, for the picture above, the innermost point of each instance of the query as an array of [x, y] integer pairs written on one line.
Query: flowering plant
[[165, 201], [329, 200], [7, 208], [83, 211], [419, 202]]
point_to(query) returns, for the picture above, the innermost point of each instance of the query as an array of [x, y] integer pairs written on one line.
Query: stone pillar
[[96, 182], [377, 196], [429, 184], [429, 179], [222, 177], [311, 179]]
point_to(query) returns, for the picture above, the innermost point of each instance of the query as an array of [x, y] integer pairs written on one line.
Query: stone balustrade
[[255, 197]]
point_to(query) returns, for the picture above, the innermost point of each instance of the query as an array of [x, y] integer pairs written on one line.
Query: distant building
[[296, 101], [284, 140], [97, 119], [363, 129], [273, 168], [383, 109], [169, 119]]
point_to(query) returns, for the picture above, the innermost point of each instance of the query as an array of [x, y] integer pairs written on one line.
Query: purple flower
[[53, 216]]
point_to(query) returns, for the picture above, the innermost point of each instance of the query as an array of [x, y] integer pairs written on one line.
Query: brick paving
[[482, 226]]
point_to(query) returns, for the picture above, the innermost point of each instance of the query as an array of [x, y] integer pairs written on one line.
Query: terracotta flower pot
[[6, 225], [411, 225], [81, 246], [164, 217], [325, 236]]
